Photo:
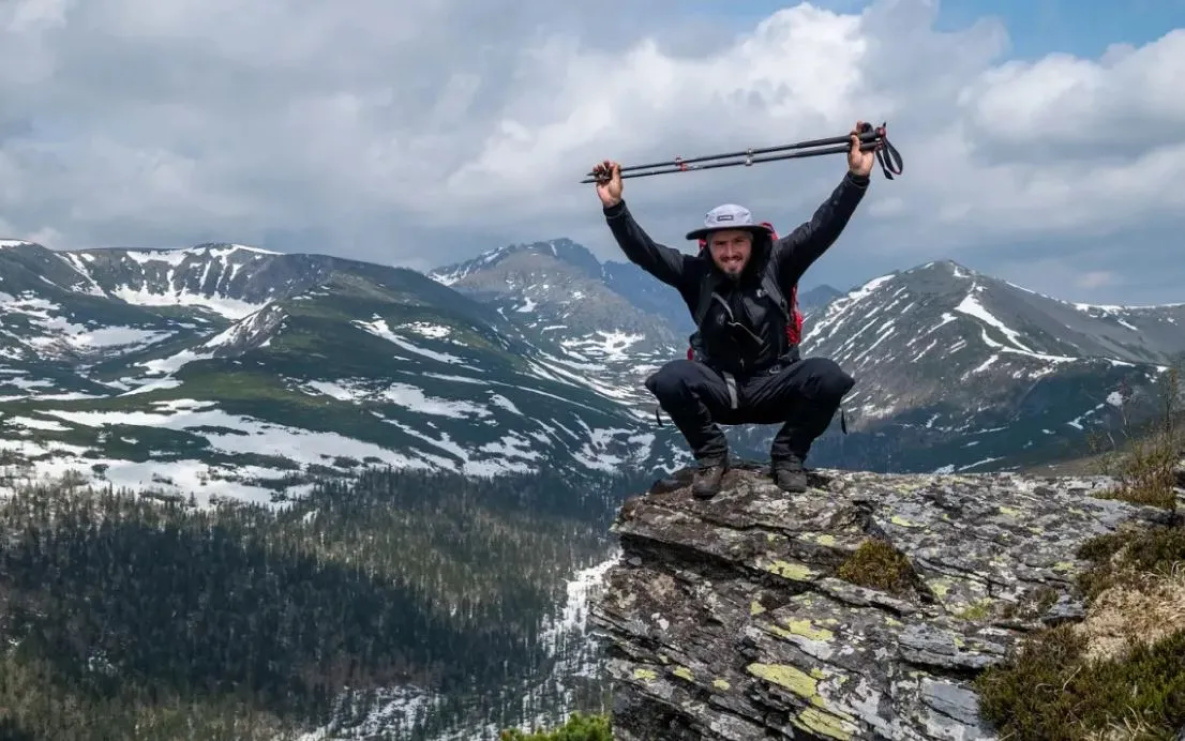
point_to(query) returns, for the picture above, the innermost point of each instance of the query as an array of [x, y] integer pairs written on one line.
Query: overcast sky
[[1045, 145]]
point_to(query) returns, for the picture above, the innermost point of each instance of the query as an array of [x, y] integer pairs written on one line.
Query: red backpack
[[794, 316]]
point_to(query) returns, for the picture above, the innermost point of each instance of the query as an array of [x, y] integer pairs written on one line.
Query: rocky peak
[[523, 256], [862, 608]]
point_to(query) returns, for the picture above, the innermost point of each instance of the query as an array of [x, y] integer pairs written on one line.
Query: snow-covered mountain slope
[[238, 371], [262, 369], [953, 368], [560, 292], [952, 364]]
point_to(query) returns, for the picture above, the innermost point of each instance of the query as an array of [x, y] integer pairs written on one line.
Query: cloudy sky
[[1044, 144]]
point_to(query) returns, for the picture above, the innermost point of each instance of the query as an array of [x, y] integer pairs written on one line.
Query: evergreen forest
[[128, 617]]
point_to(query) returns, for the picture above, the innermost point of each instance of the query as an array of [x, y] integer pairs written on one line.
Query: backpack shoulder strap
[[769, 281], [769, 284], [706, 287]]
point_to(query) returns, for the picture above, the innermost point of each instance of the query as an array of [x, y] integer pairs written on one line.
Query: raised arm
[[796, 251], [799, 249], [665, 263]]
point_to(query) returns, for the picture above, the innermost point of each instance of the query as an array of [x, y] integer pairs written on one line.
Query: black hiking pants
[[801, 395]]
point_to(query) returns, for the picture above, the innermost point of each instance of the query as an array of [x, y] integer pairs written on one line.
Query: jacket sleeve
[[799, 249], [665, 263]]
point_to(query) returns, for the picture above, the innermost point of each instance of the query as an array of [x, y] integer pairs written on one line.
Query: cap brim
[[705, 231]]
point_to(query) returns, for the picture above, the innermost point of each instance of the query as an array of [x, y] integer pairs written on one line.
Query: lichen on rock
[[861, 608]]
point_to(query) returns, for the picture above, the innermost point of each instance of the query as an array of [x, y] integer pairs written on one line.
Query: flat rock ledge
[[728, 619]]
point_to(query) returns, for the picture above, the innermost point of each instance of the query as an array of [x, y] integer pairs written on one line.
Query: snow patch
[[971, 307], [378, 327], [432, 331], [230, 308]]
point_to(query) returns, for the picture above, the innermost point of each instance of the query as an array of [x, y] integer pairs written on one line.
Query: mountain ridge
[[226, 321], [1067, 340], [274, 368]]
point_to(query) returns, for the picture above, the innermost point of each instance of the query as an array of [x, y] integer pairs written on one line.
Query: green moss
[[1047, 691], [876, 564]]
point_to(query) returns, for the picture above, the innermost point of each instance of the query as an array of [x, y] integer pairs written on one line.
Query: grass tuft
[[876, 564]]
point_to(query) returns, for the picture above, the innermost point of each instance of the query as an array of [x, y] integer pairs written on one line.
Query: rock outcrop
[[860, 609]]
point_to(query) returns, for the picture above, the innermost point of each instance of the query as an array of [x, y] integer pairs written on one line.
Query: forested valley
[[125, 616]]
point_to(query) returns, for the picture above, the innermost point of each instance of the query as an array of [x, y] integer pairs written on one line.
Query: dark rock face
[[744, 617]]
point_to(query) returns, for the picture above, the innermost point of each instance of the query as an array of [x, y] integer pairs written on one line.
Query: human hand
[[860, 163], [608, 176]]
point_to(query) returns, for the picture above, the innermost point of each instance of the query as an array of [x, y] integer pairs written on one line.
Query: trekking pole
[[872, 139]]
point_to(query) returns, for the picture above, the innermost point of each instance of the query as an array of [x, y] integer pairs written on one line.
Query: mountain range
[[226, 370], [229, 371], [955, 370], [221, 372]]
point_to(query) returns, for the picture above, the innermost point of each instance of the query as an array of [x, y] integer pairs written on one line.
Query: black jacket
[[753, 339]]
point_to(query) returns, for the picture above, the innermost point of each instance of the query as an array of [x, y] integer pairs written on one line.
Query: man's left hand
[[860, 163]]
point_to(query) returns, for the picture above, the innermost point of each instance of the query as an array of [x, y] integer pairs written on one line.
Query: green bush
[[1050, 690], [580, 727]]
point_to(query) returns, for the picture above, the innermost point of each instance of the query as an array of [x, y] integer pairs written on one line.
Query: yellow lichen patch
[[788, 570], [940, 587], [899, 520], [778, 630], [788, 677], [822, 539], [683, 672], [824, 724], [755, 608], [645, 675], [1063, 566], [805, 629], [721, 684], [1009, 511], [976, 611]]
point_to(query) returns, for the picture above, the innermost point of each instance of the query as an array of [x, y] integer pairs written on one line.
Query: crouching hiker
[[745, 366]]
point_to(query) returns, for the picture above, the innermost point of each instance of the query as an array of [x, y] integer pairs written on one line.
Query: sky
[[1044, 140]]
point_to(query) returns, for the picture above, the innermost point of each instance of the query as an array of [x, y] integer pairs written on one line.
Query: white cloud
[[418, 133]]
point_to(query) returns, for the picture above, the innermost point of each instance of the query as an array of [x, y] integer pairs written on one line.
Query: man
[[745, 370]]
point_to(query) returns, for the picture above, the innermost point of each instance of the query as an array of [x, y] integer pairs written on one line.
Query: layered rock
[[860, 609]]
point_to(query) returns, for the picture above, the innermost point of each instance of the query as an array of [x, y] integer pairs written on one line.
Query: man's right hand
[[608, 175]]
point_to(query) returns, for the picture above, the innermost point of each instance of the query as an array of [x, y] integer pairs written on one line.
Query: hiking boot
[[789, 474], [705, 484]]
